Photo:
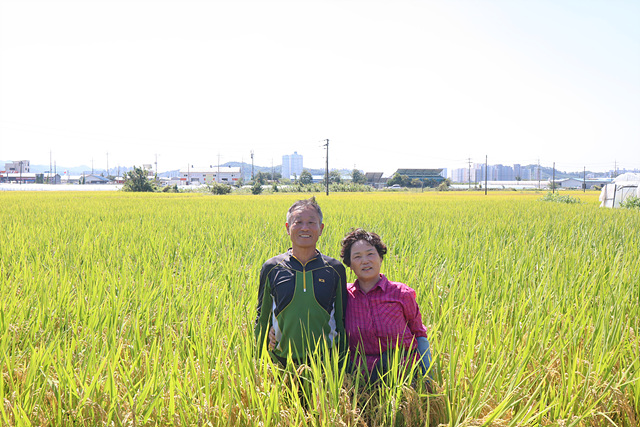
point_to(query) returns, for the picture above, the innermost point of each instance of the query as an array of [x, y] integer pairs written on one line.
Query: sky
[[391, 84]]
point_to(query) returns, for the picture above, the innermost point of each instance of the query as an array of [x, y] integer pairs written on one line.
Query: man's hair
[[302, 204], [359, 234]]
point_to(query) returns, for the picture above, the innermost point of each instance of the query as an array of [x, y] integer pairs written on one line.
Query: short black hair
[[301, 204], [355, 235]]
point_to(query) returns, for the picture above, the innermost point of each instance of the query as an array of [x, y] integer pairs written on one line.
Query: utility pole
[[156, 165], [538, 174], [553, 182], [469, 173], [49, 177], [92, 166], [584, 179], [486, 164], [326, 172], [108, 164], [188, 173], [218, 174], [252, 165], [273, 175]]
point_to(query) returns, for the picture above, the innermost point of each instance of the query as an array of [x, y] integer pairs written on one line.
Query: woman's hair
[[359, 234]]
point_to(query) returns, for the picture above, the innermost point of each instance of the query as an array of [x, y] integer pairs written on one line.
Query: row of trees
[[335, 177], [138, 180], [405, 181]]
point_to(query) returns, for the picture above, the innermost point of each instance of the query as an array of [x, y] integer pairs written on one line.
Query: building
[[462, 174], [577, 183], [95, 179], [291, 165], [375, 179], [199, 176], [19, 178], [17, 166]]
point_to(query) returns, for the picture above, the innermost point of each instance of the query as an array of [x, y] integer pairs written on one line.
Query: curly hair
[[355, 235]]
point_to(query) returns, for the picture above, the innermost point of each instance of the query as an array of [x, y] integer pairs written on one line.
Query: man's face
[[304, 228]]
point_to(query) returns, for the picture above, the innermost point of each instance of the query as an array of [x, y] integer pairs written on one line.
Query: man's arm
[[341, 310], [263, 309]]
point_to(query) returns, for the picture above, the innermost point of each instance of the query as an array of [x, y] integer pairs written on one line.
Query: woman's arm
[[417, 328]]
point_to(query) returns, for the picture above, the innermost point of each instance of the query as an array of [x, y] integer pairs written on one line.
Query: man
[[302, 293]]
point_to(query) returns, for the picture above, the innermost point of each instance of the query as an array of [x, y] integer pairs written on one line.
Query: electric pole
[[469, 173], [553, 182], [218, 174], [584, 179], [326, 172], [252, 165], [538, 174]]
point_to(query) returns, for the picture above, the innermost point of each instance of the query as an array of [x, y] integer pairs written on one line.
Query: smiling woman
[[382, 316]]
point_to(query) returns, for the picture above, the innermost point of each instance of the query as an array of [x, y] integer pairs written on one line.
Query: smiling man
[[302, 292]]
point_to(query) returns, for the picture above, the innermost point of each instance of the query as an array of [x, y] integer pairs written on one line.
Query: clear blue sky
[[390, 83]]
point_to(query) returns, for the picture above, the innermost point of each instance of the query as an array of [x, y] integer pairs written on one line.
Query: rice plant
[[137, 309]]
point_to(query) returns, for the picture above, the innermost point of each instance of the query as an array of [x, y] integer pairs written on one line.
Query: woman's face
[[365, 261]]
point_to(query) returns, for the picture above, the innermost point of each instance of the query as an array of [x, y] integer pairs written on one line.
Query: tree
[[358, 177], [396, 179], [335, 177], [415, 182], [136, 180], [256, 188], [261, 177], [217, 188], [171, 189], [306, 177], [432, 183], [401, 180]]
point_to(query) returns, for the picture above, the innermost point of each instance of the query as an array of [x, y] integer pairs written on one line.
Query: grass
[[132, 309]]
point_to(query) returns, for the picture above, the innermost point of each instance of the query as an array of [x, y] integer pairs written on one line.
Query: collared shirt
[[385, 317]]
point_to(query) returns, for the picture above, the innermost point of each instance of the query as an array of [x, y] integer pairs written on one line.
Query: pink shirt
[[386, 315]]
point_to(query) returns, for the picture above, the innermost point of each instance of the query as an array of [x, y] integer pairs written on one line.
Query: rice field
[[138, 309]]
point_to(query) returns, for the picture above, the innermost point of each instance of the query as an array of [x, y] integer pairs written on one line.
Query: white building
[[197, 176], [17, 166], [291, 164]]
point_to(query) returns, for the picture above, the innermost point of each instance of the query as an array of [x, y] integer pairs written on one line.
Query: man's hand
[[272, 338]]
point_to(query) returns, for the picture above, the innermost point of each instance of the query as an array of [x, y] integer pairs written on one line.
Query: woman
[[382, 316]]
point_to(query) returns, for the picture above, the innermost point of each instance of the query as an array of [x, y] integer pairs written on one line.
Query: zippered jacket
[[305, 304]]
